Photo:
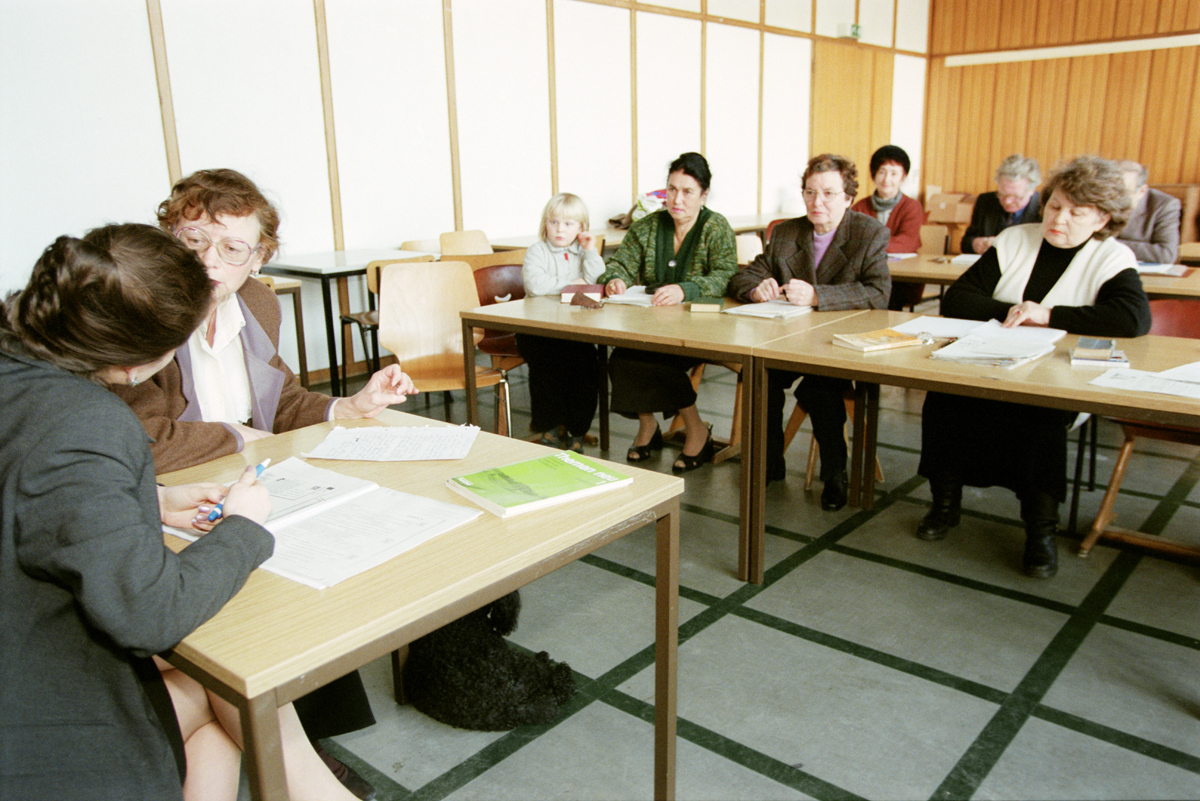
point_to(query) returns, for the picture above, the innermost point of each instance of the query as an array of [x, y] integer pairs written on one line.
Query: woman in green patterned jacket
[[683, 252]]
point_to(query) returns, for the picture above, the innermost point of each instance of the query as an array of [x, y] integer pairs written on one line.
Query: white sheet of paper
[[1150, 268], [938, 327], [633, 296], [965, 258], [1184, 372], [1141, 381], [397, 443], [993, 329], [769, 308]]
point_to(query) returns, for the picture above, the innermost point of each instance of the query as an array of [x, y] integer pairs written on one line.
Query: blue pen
[[220, 508]]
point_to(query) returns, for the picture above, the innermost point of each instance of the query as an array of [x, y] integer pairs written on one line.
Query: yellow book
[[883, 339]]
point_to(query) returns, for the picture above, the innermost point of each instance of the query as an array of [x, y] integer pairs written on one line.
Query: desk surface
[[1049, 381], [337, 262], [276, 632], [925, 269]]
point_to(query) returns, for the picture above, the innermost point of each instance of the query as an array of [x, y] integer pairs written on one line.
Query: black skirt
[[646, 382], [989, 443]]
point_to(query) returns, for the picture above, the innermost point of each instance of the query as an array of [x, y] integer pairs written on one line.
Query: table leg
[[666, 652], [752, 530], [469, 373], [857, 438], [335, 385], [263, 747], [870, 439], [602, 366]]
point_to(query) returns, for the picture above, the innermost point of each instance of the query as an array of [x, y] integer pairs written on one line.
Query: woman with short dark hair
[[681, 253], [1067, 272]]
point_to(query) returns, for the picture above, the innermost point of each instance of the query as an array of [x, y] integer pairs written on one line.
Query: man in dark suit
[[1152, 232], [831, 259], [1015, 202]]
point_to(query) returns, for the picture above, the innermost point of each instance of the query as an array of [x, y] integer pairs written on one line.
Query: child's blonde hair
[[569, 206]]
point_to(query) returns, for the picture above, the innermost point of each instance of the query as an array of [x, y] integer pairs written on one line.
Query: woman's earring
[[255, 273], [133, 380]]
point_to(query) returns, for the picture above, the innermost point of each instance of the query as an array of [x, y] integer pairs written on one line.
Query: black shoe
[[640, 453], [1041, 554], [776, 470], [944, 513], [836, 492], [349, 779], [687, 463]]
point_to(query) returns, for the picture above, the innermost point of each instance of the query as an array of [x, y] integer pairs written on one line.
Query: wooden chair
[[504, 257], [1179, 318], [934, 239], [464, 243], [368, 321], [933, 242], [726, 448], [771, 228], [419, 303], [748, 246], [793, 425], [422, 245]]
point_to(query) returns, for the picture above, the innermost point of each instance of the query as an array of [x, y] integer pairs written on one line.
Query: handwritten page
[[396, 443], [1141, 381]]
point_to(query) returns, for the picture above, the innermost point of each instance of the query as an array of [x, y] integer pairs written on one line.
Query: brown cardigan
[[167, 404]]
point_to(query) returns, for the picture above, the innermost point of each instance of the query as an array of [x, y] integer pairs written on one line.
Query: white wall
[[82, 137]]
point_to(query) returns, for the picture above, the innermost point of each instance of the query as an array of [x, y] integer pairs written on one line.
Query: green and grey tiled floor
[[869, 664]]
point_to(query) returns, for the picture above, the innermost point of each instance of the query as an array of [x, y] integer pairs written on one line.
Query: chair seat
[[438, 380]]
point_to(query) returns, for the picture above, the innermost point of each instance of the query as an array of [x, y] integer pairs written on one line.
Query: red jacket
[[904, 223]]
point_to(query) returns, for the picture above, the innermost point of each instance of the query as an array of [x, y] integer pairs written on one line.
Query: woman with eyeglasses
[[831, 259], [228, 385]]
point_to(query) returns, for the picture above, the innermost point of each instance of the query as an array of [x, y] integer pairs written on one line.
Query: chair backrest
[[1189, 198], [600, 243], [419, 302], [771, 227], [374, 267], [422, 245], [464, 243], [1175, 318], [933, 239], [748, 246], [481, 260], [499, 283], [268, 280]]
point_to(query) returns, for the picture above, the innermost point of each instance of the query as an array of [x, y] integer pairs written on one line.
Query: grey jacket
[[1152, 233], [852, 275], [88, 591]]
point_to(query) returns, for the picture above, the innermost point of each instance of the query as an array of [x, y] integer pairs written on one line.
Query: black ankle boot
[[1040, 513], [945, 511]]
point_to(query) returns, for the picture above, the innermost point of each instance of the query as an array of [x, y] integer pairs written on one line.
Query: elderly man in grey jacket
[[1152, 232]]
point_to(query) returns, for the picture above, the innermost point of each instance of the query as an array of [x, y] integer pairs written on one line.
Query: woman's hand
[[669, 295], [980, 244], [800, 293], [1027, 313], [187, 506], [767, 290], [387, 387], [586, 240], [248, 497], [615, 287]]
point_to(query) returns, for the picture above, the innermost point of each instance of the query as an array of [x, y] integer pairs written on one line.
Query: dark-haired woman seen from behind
[[682, 252], [1067, 272], [88, 591]]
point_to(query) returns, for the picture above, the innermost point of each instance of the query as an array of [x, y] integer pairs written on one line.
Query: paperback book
[[706, 305], [883, 339], [537, 483]]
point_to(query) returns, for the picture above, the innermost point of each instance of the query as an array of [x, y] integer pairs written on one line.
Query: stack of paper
[[991, 344], [771, 308], [1149, 268]]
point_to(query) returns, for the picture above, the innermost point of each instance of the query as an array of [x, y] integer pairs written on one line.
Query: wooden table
[[667, 329], [926, 269], [278, 640], [326, 266], [1049, 381]]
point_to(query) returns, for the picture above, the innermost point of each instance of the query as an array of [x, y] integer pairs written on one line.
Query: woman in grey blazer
[[88, 591], [831, 259]]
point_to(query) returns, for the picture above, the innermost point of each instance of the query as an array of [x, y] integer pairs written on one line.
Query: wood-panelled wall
[[851, 103], [971, 26]]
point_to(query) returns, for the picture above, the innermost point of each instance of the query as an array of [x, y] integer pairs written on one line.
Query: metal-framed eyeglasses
[[233, 252], [829, 195]]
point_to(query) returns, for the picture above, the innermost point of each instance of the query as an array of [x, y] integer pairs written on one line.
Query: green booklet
[[537, 483]]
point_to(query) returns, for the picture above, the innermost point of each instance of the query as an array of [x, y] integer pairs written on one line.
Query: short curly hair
[[831, 162], [1093, 181], [224, 191]]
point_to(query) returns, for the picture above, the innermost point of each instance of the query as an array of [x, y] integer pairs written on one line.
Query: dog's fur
[[465, 674]]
